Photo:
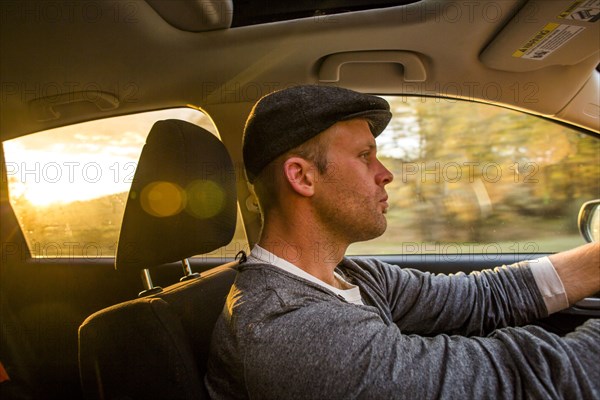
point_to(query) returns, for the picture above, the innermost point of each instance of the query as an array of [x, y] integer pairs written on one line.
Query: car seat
[[182, 202]]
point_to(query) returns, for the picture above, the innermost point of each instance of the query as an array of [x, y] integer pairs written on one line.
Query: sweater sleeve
[[335, 351], [473, 304]]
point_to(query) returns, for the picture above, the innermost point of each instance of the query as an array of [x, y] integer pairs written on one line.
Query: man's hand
[[579, 270]]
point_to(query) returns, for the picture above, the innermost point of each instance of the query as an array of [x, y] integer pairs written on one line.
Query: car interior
[[128, 313], [168, 330]]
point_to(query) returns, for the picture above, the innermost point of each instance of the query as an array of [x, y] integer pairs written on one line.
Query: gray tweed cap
[[285, 119]]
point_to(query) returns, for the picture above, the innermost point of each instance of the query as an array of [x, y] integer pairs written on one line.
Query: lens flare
[[162, 199], [205, 199]]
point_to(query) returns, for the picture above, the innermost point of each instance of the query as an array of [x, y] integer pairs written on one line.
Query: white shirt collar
[[262, 256]]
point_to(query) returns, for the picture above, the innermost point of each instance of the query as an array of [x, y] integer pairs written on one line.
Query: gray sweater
[[418, 336]]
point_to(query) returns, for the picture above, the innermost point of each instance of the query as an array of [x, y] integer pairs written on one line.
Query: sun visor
[[546, 33]]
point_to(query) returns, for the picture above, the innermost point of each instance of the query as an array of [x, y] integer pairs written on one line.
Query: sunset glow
[[84, 161]]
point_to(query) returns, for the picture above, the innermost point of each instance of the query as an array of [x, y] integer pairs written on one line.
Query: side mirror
[[589, 221]]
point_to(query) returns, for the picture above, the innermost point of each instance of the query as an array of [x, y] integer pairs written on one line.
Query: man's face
[[350, 198]]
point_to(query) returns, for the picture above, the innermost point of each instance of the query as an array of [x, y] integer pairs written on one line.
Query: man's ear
[[300, 174]]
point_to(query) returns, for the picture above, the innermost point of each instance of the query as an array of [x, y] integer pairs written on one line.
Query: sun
[[84, 161], [44, 178]]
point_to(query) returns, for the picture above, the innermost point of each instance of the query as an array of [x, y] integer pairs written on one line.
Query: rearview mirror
[[589, 221]]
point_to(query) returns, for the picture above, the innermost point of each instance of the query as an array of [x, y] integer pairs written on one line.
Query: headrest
[[182, 201]]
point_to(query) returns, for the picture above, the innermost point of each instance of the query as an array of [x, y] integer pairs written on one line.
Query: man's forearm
[[579, 270]]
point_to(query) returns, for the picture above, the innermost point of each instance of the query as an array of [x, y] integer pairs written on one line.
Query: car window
[[68, 186], [475, 178]]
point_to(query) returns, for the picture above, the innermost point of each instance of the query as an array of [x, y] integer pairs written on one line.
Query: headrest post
[[187, 271], [149, 287]]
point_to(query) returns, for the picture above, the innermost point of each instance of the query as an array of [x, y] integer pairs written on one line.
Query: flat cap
[[285, 119]]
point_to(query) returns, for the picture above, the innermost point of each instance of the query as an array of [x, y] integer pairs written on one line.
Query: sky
[[82, 161]]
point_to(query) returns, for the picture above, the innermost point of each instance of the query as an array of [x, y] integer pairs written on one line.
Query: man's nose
[[384, 176]]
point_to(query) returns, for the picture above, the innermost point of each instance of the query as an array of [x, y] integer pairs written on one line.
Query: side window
[[475, 178], [68, 186]]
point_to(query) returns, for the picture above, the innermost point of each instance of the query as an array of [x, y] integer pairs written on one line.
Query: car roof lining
[[239, 65]]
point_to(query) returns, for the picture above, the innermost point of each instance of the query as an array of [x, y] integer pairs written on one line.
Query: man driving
[[302, 321]]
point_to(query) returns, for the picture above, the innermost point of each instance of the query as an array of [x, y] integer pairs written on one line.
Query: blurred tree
[[471, 167]]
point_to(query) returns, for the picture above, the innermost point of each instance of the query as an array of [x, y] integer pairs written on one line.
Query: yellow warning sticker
[[531, 43], [582, 10], [550, 38]]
